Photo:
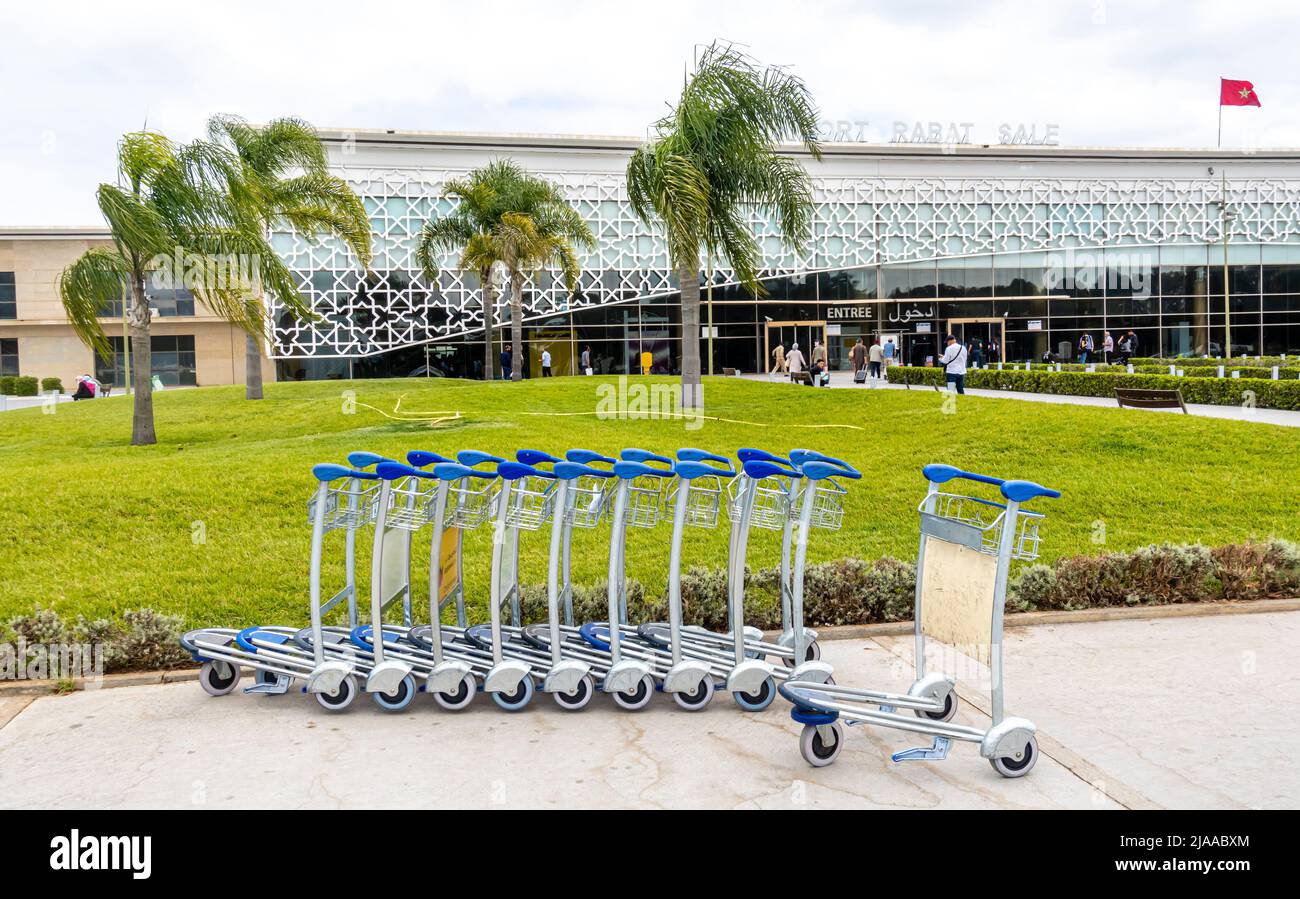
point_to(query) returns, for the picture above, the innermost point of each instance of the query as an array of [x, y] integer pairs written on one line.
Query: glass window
[[9, 356], [172, 361], [8, 298]]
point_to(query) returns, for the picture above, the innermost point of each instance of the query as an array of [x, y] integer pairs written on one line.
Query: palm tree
[[175, 212], [539, 231], [287, 182], [468, 229], [713, 158]]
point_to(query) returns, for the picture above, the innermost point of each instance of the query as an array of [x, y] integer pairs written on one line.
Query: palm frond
[[99, 277]]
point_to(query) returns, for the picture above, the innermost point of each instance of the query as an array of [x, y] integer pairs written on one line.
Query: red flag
[[1237, 93]]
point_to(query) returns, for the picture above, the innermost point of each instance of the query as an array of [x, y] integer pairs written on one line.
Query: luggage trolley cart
[[344, 500], [966, 549]]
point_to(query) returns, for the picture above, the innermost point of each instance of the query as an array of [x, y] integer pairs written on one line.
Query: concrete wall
[[47, 346]]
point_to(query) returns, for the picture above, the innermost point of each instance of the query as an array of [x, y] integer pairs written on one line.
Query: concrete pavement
[[1178, 712]]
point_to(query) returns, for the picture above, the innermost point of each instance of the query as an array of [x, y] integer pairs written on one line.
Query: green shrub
[[1267, 394], [7, 385], [48, 384], [26, 385], [150, 640]]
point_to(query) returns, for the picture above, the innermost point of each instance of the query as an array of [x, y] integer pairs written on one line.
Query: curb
[[839, 632]]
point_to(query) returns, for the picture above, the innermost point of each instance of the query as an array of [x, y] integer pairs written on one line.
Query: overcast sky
[[75, 76]]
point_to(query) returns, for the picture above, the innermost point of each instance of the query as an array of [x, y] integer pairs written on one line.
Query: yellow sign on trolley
[[449, 562]]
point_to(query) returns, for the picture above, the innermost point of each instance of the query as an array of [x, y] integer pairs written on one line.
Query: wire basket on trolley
[[827, 498], [531, 501], [771, 501], [645, 501], [590, 500], [410, 503], [989, 519], [702, 501], [349, 504], [468, 506]]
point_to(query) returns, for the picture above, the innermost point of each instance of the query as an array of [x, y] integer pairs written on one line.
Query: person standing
[[1132, 343], [546, 363], [647, 362], [794, 360], [1085, 348], [953, 361], [778, 360], [858, 356], [507, 363], [586, 360], [1107, 346], [877, 358]]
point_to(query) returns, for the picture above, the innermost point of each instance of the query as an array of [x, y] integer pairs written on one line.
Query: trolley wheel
[[218, 678], [949, 709], [578, 699], [264, 678], [811, 653], [462, 696], [1009, 766], [818, 752], [697, 698], [759, 699], [341, 698], [637, 698], [400, 698], [522, 695]]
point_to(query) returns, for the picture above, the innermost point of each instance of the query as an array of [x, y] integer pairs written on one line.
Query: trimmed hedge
[[7, 385], [1268, 394], [48, 384], [1197, 361], [26, 385]]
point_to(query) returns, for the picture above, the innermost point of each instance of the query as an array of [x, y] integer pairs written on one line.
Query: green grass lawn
[[94, 526]]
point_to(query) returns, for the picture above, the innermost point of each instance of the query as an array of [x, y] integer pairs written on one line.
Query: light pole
[[1226, 216]]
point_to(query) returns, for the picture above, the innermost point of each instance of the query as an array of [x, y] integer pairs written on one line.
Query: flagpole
[[1219, 143]]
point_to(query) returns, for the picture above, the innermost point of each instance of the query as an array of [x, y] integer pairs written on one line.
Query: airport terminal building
[[1021, 247]]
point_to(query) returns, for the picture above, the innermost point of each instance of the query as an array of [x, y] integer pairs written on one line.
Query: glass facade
[[165, 302], [1016, 306], [172, 361], [9, 356]]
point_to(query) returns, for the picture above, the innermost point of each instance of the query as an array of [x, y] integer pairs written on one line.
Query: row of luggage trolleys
[[538, 492]]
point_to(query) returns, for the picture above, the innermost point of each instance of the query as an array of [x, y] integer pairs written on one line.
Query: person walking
[[953, 361], [1132, 343], [1107, 346], [794, 360], [647, 362], [890, 352], [586, 360], [507, 363], [858, 356], [1125, 350], [877, 358], [778, 360], [1085, 348], [546, 363]]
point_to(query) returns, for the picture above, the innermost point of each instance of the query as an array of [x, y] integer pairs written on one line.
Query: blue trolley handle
[[643, 456], [1016, 491], [801, 456], [366, 460], [328, 471], [747, 455], [454, 471], [569, 471], [689, 470], [474, 457], [535, 457], [391, 471], [586, 457], [423, 459]]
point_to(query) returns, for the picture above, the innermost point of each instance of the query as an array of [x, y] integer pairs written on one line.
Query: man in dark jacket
[[507, 363]]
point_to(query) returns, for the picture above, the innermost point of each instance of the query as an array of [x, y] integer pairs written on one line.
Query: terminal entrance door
[[984, 333], [805, 334]]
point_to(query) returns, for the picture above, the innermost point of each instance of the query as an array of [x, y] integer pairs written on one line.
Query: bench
[[802, 377], [728, 372], [1150, 399]]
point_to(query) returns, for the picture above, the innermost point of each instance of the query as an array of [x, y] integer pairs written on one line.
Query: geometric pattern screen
[[858, 222]]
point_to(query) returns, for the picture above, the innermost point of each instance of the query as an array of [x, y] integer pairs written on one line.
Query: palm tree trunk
[[489, 322], [252, 367], [516, 325], [142, 432], [692, 390]]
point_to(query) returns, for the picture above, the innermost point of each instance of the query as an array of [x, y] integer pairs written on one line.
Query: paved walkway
[[1183, 712], [844, 379]]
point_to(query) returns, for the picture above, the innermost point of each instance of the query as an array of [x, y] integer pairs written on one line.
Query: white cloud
[[77, 75]]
